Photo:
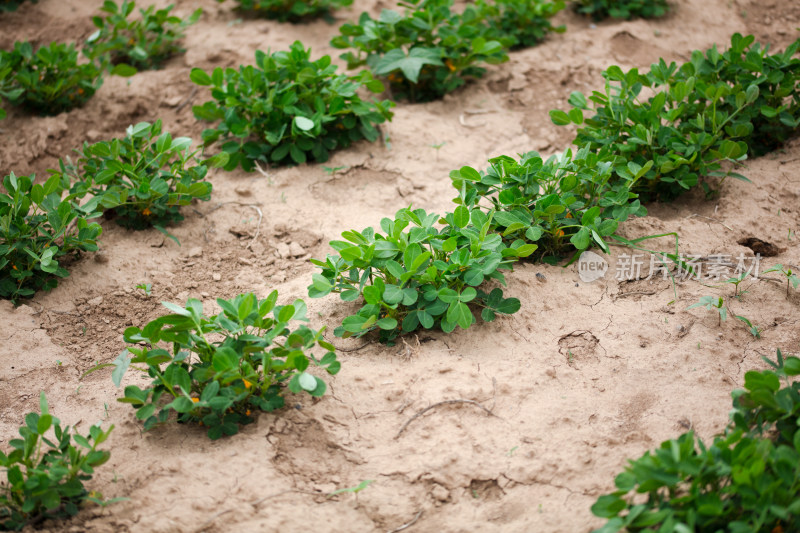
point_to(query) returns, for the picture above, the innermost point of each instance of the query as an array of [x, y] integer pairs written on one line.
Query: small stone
[[243, 190], [440, 493], [204, 294], [197, 251], [93, 135], [295, 250], [245, 261], [283, 250], [183, 296], [541, 277], [174, 101], [216, 276], [95, 301], [279, 277], [680, 328]]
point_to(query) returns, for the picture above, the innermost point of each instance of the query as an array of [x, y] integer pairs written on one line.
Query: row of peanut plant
[[424, 270], [302, 10]]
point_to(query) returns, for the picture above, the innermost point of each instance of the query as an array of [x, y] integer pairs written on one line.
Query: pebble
[[283, 250], [243, 190], [295, 250], [95, 301], [197, 251], [216, 276]]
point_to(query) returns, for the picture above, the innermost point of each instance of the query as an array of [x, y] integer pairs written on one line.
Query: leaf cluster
[[288, 109], [417, 275], [791, 277], [565, 203], [45, 474], [426, 51], [746, 481], [142, 179], [38, 230], [292, 10], [700, 119], [49, 80], [217, 370], [621, 9], [521, 23], [144, 43]]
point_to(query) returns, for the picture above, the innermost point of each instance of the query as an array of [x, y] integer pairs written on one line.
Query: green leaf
[[304, 123], [307, 382], [410, 65], [199, 77]]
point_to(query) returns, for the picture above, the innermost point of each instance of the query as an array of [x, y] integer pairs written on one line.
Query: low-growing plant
[[49, 80], [747, 480], [288, 109], [292, 10], [713, 303], [736, 281], [791, 278], [565, 203], [621, 9], [143, 178], [425, 52], [38, 230], [144, 43], [521, 23], [701, 119], [44, 475], [416, 275], [754, 330], [218, 370], [11, 5]]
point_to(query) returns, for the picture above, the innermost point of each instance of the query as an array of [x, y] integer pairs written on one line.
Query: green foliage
[[288, 109], [622, 9], [37, 230], [702, 115], [746, 481], [425, 52], [292, 10], [11, 5], [144, 43], [521, 23], [143, 178], [713, 303], [417, 275], [219, 368], [44, 476], [562, 204], [791, 278], [50, 80]]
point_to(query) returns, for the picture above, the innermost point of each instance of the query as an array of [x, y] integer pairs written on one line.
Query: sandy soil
[[582, 378]]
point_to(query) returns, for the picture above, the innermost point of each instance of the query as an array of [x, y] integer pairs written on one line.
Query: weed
[[45, 477], [38, 229], [292, 10], [746, 480], [425, 52], [352, 490], [622, 9], [143, 178], [417, 275], [287, 109], [754, 330], [713, 303], [146, 287], [791, 278], [223, 367], [144, 43]]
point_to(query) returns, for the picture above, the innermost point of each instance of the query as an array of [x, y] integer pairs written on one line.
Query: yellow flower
[[247, 384], [450, 65], [14, 267], [560, 233], [147, 212], [247, 413], [195, 400]]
